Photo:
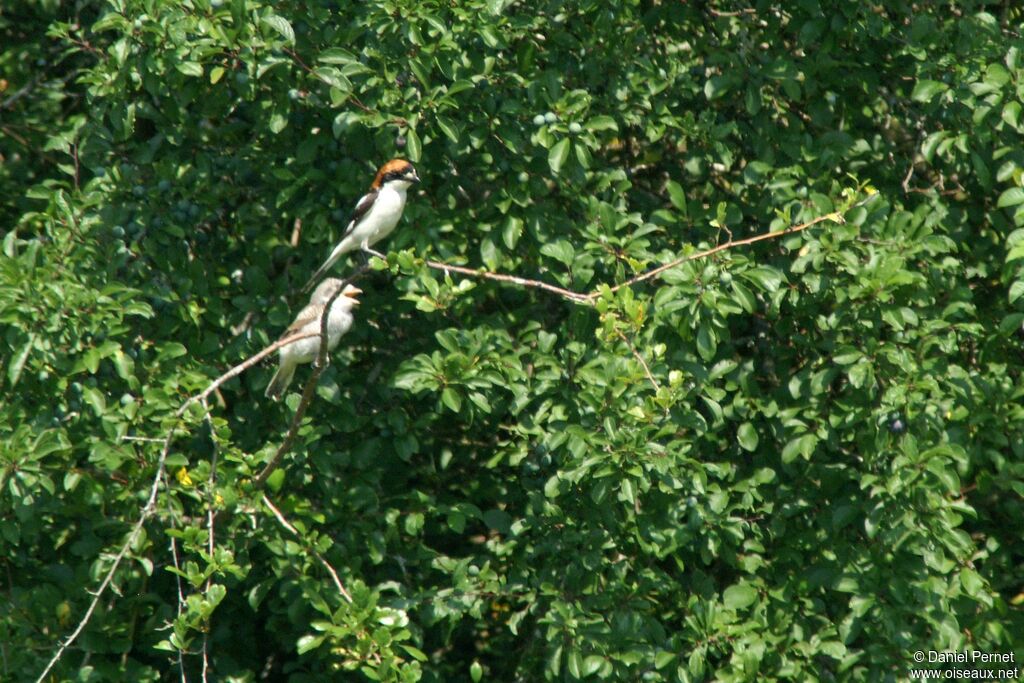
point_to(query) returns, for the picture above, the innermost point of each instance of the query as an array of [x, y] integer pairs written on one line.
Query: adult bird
[[376, 214]]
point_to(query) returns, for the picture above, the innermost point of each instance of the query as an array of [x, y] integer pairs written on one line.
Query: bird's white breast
[[382, 217], [306, 350]]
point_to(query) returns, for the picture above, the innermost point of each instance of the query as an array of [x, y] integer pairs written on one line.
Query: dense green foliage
[[820, 474]]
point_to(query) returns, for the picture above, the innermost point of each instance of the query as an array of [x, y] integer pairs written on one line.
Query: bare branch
[[240, 368], [147, 511], [731, 244], [640, 359], [211, 517], [181, 597], [501, 277], [589, 298], [738, 13], [21, 92], [295, 532]]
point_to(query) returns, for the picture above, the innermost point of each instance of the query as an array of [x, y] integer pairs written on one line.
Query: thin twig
[[244, 325], [738, 13], [74, 156], [327, 565], [146, 439], [211, 517], [242, 367], [147, 511], [906, 179], [501, 277], [732, 244], [576, 297], [181, 599], [293, 429], [21, 92], [589, 298], [397, 120], [640, 359]]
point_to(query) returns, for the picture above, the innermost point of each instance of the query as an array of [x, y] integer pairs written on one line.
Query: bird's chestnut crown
[[396, 169]]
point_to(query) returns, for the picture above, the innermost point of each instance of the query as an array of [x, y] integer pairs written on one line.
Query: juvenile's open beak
[[353, 293]]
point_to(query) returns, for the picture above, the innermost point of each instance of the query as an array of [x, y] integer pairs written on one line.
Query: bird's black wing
[[361, 209]]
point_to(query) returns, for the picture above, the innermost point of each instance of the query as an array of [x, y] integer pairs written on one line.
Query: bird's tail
[[331, 260], [280, 381]]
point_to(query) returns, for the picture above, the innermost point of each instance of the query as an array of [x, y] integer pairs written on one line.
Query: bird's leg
[[327, 361], [374, 252]]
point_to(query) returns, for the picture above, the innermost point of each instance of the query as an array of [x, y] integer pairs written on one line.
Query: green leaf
[[591, 665], [448, 128], [739, 596], [308, 642], [499, 520], [800, 446], [664, 658], [190, 68], [972, 582], [561, 251], [558, 154], [276, 480], [282, 26], [17, 362], [747, 437], [277, 123], [676, 195], [707, 344], [413, 145], [1016, 290], [765, 277], [552, 487], [1011, 197], [336, 55], [96, 400], [574, 663], [583, 157], [599, 123], [716, 87], [334, 78], [925, 90], [450, 397], [1011, 114]]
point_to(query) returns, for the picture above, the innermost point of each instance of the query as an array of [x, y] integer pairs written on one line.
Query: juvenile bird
[[308, 320], [376, 214]]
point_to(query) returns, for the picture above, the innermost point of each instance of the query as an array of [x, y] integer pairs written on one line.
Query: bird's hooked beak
[[353, 293], [414, 177]]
